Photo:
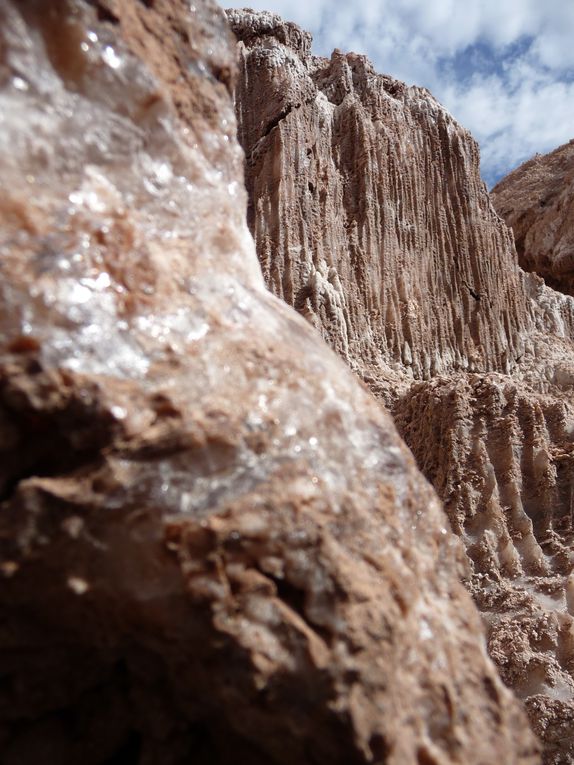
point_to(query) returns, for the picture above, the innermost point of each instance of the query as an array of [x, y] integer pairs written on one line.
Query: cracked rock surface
[[214, 547]]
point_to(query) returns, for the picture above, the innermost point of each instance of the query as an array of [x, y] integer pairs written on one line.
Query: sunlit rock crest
[[537, 202]]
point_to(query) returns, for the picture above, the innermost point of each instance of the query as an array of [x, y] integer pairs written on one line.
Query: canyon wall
[[371, 219], [214, 547], [369, 213]]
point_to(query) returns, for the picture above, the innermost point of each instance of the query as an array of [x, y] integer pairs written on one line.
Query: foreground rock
[[370, 218], [537, 201], [214, 547]]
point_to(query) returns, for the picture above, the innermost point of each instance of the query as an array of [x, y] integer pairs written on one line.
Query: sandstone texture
[[537, 201], [369, 213], [371, 219], [214, 547]]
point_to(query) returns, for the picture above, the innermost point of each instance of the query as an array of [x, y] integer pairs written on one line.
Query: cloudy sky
[[504, 68]]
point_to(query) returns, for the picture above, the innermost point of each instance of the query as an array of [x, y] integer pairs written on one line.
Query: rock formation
[[369, 213], [537, 202], [214, 547], [371, 219], [502, 459]]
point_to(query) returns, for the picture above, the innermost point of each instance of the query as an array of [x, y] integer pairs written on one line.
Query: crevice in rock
[[68, 435], [104, 12], [56, 465], [294, 597], [279, 118], [473, 293], [129, 752]]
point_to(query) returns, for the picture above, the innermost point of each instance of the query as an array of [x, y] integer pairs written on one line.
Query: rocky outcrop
[[369, 213], [370, 218], [213, 545], [503, 461], [537, 201]]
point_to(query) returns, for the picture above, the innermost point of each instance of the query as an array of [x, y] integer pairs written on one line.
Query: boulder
[[214, 547]]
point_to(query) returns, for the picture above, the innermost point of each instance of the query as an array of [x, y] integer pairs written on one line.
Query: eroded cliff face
[[501, 457], [537, 201], [214, 546], [369, 213], [370, 218]]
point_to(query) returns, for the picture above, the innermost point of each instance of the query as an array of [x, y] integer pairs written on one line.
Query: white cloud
[[504, 68]]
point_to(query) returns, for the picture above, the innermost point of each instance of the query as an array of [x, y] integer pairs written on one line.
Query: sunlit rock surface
[[213, 546], [369, 213], [537, 202]]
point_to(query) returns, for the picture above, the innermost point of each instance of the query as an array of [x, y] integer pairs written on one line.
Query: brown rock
[[502, 458], [214, 546], [531, 639], [370, 218], [369, 213], [537, 201]]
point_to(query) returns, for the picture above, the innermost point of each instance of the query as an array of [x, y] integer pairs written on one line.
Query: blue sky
[[503, 68]]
